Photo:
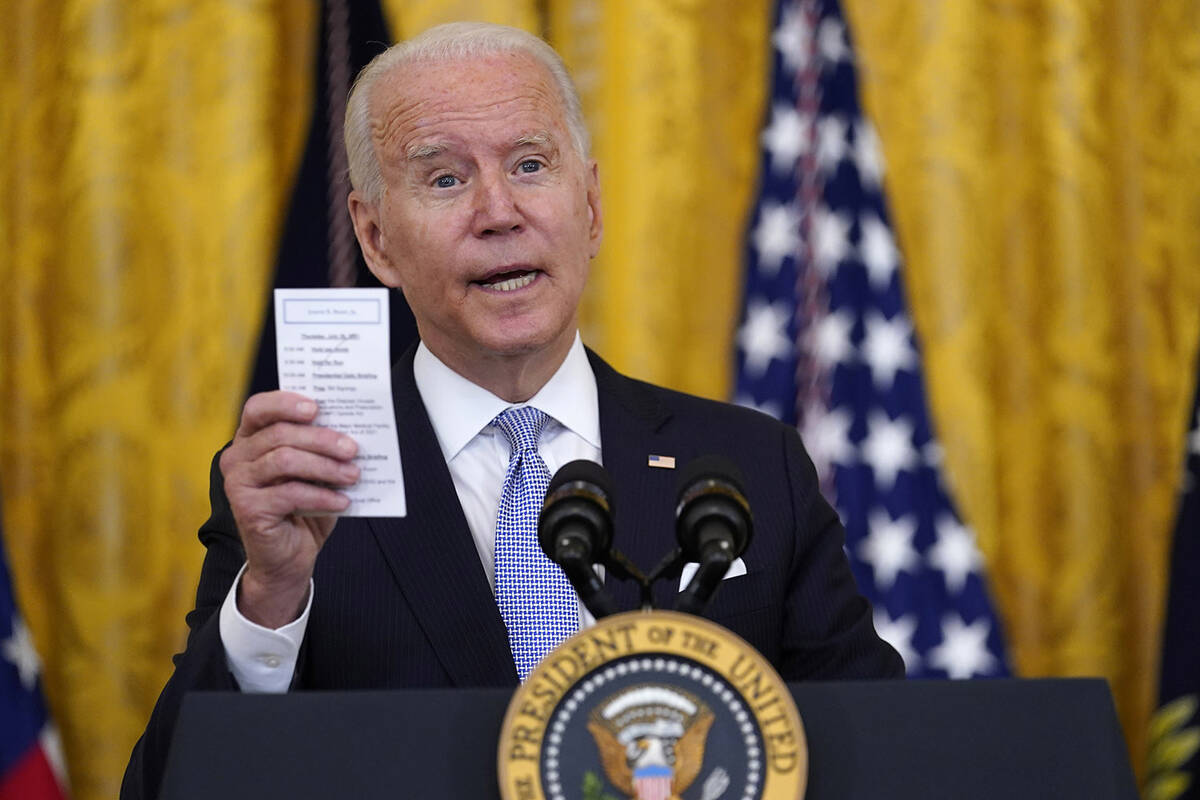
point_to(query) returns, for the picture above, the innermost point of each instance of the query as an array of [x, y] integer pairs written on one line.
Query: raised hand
[[281, 477]]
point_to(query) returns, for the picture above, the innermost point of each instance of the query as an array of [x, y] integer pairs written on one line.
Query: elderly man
[[474, 195]]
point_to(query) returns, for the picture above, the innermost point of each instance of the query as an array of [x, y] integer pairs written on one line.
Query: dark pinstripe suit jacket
[[405, 602]]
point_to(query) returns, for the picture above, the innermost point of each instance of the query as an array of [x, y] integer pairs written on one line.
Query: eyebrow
[[420, 151], [540, 139]]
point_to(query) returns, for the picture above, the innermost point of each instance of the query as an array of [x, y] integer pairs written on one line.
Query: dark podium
[[888, 739]]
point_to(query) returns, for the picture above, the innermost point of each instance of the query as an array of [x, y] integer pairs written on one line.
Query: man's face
[[489, 215]]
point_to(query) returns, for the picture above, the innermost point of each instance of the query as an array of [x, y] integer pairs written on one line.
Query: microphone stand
[[621, 567], [574, 559]]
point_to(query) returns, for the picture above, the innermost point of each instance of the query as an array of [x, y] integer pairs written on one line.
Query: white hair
[[450, 42]]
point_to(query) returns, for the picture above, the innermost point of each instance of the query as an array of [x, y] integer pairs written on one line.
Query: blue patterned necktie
[[534, 596]]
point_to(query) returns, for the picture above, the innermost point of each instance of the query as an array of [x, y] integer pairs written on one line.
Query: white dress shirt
[[477, 454]]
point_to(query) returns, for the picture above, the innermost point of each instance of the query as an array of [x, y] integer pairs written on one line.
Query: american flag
[[826, 343], [30, 764]]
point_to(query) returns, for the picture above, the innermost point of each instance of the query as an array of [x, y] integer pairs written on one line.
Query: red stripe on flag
[[31, 778], [655, 788]]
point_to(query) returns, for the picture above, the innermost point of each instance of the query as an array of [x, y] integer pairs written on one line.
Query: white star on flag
[[786, 138], [878, 249], [888, 547], [887, 347], [832, 340], [954, 553], [777, 236], [868, 154], [963, 651], [827, 436], [830, 239], [899, 634], [831, 143], [888, 448], [18, 649], [792, 37], [831, 38], [764, 334]]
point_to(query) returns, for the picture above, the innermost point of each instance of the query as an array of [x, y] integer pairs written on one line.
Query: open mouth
[[508, 281]]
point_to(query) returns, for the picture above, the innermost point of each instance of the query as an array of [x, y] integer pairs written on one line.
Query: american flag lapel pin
[[662, 462]]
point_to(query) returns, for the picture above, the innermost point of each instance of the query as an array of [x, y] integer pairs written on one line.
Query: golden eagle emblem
[[651, 739]]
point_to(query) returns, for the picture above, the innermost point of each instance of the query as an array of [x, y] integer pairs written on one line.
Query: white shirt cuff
[[261, 659]]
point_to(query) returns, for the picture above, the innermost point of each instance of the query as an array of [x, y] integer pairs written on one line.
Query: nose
[[496, 211]]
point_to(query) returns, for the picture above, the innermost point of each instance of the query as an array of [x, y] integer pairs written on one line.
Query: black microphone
[[575, 529], [712, 524]]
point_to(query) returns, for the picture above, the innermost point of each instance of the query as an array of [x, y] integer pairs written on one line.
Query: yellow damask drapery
[[1043, 183], [148, 149]]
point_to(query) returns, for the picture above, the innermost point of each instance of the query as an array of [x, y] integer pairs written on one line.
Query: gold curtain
[[1045, 181], [407, 18], [148, 148]]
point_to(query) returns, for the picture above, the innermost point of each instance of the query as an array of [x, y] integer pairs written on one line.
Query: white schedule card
[[333, 346]]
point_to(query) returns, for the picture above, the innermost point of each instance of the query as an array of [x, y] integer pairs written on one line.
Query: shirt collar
[[459, 409]]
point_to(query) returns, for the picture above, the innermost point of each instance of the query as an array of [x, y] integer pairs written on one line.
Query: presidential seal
[[653, 705]]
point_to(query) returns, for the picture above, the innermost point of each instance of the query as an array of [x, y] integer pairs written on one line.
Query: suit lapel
[[634, 426], [433, 557]]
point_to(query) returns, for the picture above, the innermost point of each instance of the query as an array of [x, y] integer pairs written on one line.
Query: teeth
[[513, 283]]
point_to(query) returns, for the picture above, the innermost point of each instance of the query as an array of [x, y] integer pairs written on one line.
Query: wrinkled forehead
[[466, 83]]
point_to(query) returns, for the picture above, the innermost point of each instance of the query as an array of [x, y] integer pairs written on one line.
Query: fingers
[[287, 463], [277, 444], [282, 484], [274, 445], [281, 474], [267, 408], [293, 498], [276, 420]]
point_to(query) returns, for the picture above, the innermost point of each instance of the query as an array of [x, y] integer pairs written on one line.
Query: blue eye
[[445, 181], [529, 165]]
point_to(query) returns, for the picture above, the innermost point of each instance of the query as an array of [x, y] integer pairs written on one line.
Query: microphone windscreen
[[710, 467], [581, 470], [578, 499]]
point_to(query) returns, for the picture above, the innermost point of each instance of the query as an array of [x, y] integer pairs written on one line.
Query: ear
[[368, 230], [595, 217]]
